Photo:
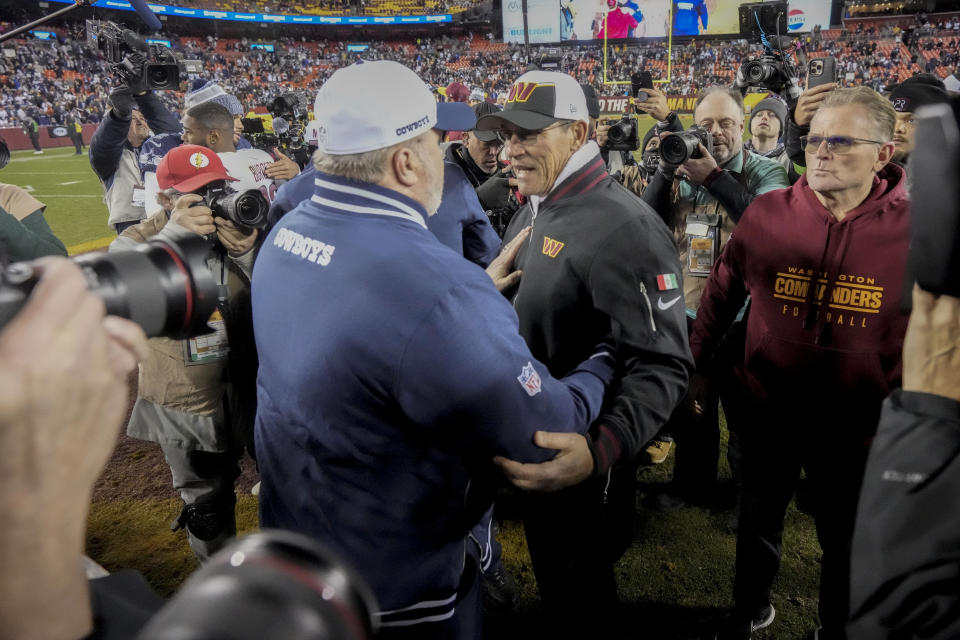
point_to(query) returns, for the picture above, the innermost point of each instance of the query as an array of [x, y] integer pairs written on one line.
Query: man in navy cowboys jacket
[[599, 262], [391, 369]]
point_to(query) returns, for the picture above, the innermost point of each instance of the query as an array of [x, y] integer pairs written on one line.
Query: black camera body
[[245, 209], [290, 114], [141, 66], [623, 134], [677, 148], [766, 72]]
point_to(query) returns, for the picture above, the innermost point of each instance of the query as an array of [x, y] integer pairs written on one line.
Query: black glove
[[121, 102]]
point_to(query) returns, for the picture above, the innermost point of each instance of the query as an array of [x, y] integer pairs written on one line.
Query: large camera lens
[[164, 287], [677, 148], [246, 209], [616, 134], [758, 71], [163, 77], [271, 584]]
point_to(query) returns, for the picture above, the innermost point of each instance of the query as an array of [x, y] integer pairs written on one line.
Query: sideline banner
[[183, 12]]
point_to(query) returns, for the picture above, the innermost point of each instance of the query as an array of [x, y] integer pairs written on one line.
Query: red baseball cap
[[189, 167]]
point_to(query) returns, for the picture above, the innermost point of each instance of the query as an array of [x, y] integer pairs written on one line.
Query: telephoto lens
[[165, 287], [272, 584]]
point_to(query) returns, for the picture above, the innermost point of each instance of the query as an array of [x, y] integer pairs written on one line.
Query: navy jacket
[[110, 138], [460, 223], [391, 372]]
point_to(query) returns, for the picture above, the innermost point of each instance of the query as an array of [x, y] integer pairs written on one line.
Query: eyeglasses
[[526, 136], [835, 144]]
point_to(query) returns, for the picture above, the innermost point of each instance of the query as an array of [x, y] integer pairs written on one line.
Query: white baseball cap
[[374, 105], [537, 99]]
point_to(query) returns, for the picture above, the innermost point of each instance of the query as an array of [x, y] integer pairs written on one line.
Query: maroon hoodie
[[825, 331]]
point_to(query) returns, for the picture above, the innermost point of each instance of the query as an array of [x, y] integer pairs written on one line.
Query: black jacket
[[905, 567], [590, 272], [458, 154]]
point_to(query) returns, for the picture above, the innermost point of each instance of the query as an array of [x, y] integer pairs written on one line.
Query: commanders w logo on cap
[[521, 91], [538, 99]]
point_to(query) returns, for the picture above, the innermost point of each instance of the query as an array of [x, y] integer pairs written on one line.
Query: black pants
[[775, 448], [35, 139], [77, 142], [698, 436], [575, 536]]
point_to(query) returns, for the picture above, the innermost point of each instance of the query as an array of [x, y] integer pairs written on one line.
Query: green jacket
[[745, 176]]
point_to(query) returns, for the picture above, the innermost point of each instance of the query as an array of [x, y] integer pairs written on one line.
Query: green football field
[[70, 189]]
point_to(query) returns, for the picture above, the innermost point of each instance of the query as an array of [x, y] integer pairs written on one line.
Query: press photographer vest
[[124, 202]]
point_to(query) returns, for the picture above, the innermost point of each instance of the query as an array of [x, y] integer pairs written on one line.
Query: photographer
[[703, 207], [656, 106], [184, 401], [115, 150], [63, 377]]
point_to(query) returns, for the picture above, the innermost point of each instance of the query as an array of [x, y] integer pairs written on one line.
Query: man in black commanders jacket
[[599, 265]]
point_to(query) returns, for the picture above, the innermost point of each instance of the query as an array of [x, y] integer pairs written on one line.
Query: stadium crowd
[[51, 80], [389, 386]]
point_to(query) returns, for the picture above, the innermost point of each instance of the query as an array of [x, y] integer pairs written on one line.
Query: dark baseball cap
[[482, 109], [538, 99]]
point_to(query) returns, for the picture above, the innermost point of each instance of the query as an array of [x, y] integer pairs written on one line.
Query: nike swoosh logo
[[664, 306]]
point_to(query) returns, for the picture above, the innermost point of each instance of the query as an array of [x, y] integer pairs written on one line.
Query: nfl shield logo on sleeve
[[530, 380]]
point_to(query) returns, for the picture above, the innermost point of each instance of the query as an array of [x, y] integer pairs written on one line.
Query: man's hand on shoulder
[[192, 216], [572, 465]]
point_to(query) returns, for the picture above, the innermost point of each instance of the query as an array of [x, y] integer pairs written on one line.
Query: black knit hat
[[918, 91], [775, 105]]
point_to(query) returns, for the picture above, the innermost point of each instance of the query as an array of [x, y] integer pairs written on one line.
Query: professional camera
[[246, 209], [935, 195], [272, 584], [141, 66], [622, 135], [287, 127], [774, 70], [163, 286], [677, 148]]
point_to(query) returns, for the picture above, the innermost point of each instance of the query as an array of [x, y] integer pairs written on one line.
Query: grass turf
[[675, 579], [70, 189]]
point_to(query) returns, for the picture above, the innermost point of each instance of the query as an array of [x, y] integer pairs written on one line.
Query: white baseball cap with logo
[[374, 105]]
